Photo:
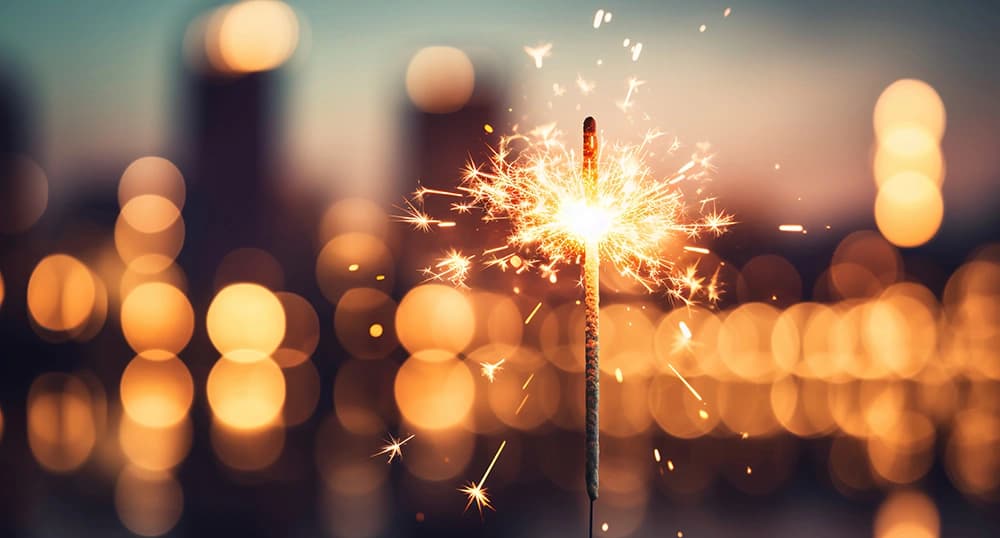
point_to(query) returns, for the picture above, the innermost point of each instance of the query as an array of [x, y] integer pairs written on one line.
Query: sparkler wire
[[591, 289]]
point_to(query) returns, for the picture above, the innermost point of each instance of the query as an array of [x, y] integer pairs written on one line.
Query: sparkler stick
[[591, 283]]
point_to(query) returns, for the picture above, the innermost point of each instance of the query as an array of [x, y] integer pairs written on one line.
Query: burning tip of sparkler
[[393, 447]]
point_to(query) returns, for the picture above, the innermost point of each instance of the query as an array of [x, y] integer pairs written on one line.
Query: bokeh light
[[61, 293], [157, 320], [434, 316], [442, 408], [246, 322], [909, 209], [62, 426], [440, 79], [156, 393], [246, 395], [24, 193], [149, 503], [251, 36]]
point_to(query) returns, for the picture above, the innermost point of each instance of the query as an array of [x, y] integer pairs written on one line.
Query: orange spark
[[476, 491], [393, 447], [490, 369], [533, 312], [539, 53]]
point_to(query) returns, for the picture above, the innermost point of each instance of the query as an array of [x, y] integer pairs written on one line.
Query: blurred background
[[210, 324]]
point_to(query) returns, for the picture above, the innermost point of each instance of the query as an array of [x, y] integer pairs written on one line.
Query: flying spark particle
[[680, 534], [749, 470], [827, 226], [447, 224], [656, 455], [558, 90], [476, 491], [523, 401], [790, 228], [727, 11], [532, 314], [585, 86], [600, 62], [604, 526], [598, 18], [353, 267], [489, 370], [703, 414], [380, 277], [777, 166], [607, 17], [527, 381], [488, 128], [626, 42], [375, 330], [636, 51], [517, 290], [685, 330], [393, 447], [688, 385], [618, 375], [670, 465], [539, 53], [744, 435], [698, 250], [702, 28]]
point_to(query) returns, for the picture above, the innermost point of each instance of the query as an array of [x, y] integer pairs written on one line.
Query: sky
[[775, 82]]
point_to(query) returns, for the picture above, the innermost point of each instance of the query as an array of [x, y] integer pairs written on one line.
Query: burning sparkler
[[561, 210]]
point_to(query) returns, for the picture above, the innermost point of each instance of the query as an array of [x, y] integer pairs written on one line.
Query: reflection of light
[[907, 514], [149, 503], [156, 393], [154, 449], [24, 195], [440, 79], [61, 425], [301, 330], [248, 450], [446, 405], [909, 209], [246, 322], [246, 395], [157, 320]]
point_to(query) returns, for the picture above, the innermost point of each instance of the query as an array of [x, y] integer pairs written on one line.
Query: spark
[[636, 51], [527, 381], [353, 267], [744, 435], [488, 128], [703, 414], [702, 28], [686, 384], [447, 224], [523, 401], [422, 192], [539, 53], [490, 369], [749, 470], [633, 87], [558, 90], [453, 267], [393, 447], [685, 330], [476, 491], [670, 465], [585, 86], [656, 455], [532, 314], [618, 375], [415, 217], [727, 11], [698, 250], [790, 228], [604, 526], [598, 18]]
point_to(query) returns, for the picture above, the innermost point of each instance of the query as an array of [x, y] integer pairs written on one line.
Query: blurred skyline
[[776, 82]]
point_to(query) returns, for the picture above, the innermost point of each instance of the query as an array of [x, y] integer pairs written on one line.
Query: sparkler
[[561, 210]]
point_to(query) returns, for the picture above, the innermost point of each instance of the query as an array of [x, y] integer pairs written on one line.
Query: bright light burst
[[490, 369], [393, 447], [534, 183], [475, 490]]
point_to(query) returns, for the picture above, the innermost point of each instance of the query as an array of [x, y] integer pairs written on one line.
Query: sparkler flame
[[539, 191]]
